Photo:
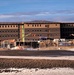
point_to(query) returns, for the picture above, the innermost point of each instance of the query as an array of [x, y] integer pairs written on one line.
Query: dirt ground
[[35, 63]]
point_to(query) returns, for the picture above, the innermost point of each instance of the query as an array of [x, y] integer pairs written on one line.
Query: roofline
[[67, 22], [29, 22], [36, 22], [41, 22], [11, 22]]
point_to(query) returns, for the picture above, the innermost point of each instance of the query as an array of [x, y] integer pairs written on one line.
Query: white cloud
[[64, 15], [42, 14], [6, 16]]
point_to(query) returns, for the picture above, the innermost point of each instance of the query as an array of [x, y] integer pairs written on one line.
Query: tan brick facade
[[38, 30], [33, 31], [8, 31]]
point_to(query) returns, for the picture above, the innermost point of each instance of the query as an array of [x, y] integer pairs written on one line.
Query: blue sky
[[28, 10]]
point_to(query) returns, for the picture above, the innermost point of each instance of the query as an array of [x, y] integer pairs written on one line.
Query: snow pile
[[40, 57], [71, 49], [52, 71]]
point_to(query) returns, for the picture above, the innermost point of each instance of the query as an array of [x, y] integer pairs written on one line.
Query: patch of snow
[[31, 49], [40, 57], [36, 71], [71, 49]]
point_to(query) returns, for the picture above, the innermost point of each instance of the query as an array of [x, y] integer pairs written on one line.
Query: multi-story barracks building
[[35, 31]]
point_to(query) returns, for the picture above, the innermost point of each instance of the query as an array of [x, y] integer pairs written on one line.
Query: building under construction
[[35, 31]]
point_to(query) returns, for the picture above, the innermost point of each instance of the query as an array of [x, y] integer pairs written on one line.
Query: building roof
[[11, 23], [41, 21], [36, 22]]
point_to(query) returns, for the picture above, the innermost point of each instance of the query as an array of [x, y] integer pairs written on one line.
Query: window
[[28, 25], [16, 25], [37, 25], [8, 25], [46, 30], [32, 30], [37, 30], [40, 25], [3, 26], [16, 31], [8, 36], [32, 25], [56, 24], [46, 26], [13, 25]]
